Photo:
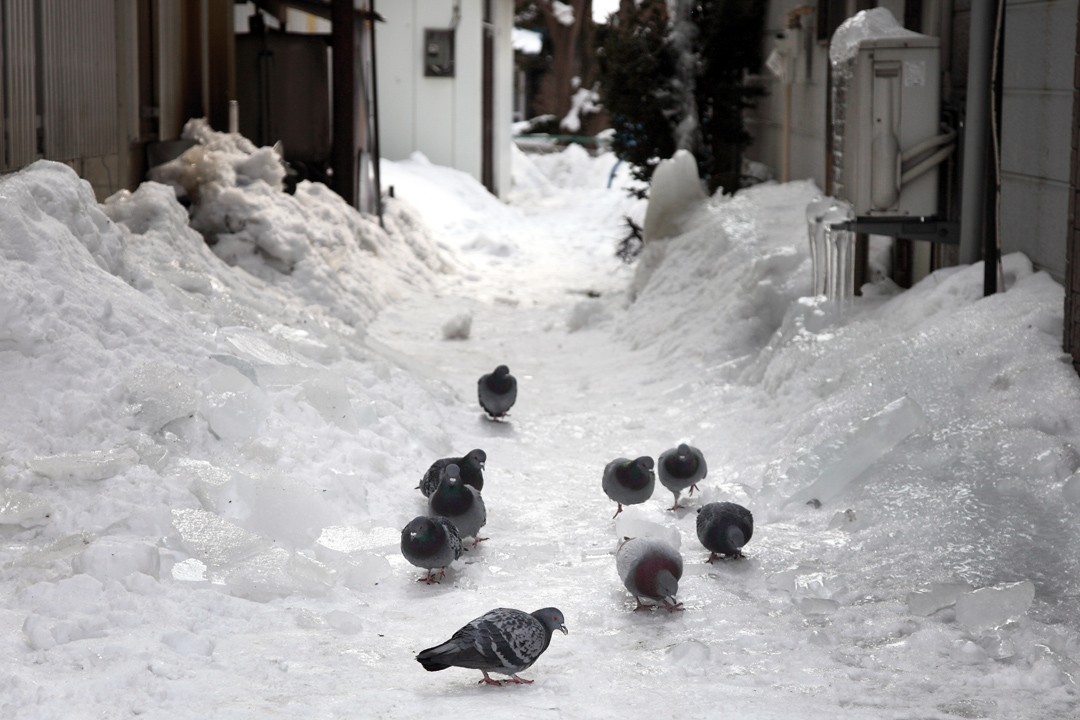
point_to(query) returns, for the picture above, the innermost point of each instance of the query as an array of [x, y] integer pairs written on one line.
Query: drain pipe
[[976, 131]]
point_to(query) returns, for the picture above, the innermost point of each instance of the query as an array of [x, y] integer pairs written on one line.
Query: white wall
[[441, 117], [1036, 124]]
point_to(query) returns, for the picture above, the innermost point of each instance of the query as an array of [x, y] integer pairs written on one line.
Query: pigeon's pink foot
[[676, 506], [641, 605], [617, 512], [672, 608], [692, 489], [519, 681], [487, 679], [429, 578], [478, 540], [712, 556]]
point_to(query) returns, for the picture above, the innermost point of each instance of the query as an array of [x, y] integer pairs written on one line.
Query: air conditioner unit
[[887, 135]]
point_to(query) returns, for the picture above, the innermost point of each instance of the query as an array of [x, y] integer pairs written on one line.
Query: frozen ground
[[205, 469]]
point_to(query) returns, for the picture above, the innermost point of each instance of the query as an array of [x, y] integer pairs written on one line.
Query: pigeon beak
[[564, 630]]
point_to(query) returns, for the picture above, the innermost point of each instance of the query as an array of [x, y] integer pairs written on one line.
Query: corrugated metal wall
[[169, 18], [78, 78], [18, 99]]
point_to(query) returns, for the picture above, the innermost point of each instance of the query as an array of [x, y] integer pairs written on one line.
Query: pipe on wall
[[976, 131]]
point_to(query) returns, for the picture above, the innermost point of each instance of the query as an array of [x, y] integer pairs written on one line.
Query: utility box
[[438, 53], [888, 139]]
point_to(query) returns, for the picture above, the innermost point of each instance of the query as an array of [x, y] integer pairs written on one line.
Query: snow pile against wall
[[326, 251], [720, 290]]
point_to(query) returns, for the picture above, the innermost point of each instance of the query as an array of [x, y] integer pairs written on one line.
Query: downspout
[[976, 131], [377, 156]]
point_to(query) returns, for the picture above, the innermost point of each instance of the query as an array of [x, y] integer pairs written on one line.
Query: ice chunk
[[675, 192], [187, 644], [990, 607], [940, 595], [1071, 489], [862, 448], [63, 548], [362, 570], [215, 541], [818, 606], [113, 558], [336, 542], [344, 622], [161, 394], [278, 573], [690, 655], [23, 508], [37, 632], [95, 465], [458, 327], [190, 570], [327, 393], [849, 522], [584, 314], [281, 508], [213, 485], [631, 523], [968, 653], [233, 405]]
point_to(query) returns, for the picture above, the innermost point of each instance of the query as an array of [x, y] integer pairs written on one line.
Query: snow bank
[[325, 251]]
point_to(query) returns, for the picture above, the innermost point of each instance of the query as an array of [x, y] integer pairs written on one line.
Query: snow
[[207, 454], [862, 26], [526, 42], [563, 12]]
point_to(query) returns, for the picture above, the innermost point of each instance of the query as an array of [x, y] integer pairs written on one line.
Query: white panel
[[435, 96], [397, 66], [503, 12], [1034, 220]]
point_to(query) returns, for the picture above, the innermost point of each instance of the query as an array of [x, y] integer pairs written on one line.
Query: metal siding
[[20, 96], [78, 59], [168, 61]]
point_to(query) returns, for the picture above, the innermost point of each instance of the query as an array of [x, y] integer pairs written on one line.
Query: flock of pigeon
[[508, 641]]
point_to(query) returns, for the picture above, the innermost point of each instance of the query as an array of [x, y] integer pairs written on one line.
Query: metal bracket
[[930, 229]]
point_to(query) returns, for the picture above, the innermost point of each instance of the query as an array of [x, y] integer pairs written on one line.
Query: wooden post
[[344, 152]]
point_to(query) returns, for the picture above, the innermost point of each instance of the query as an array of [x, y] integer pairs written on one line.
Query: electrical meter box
[[438, 53], [886, 108]]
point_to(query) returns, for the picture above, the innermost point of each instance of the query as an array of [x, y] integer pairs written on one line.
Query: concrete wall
[[441, 116], [1036, 129]]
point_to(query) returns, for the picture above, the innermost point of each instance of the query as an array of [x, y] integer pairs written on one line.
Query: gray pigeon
[[497, 391], [502, 640], [459, 503], [629, 482], [650, 568], [471, 468], [431, 542], [723, 528], [680, 468]]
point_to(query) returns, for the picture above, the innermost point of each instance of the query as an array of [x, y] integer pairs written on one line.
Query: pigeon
[[471, 468], [459, 503], [680, 468], [430, 542], [723, 528], [629, 482], [502, 640], [497, 391], [650, 568]]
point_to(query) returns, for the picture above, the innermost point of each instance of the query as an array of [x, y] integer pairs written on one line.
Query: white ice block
[[939, 595], [863, 447], [990, 607]]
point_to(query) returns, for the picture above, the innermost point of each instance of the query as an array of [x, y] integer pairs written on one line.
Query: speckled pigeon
[[471, 468], [502, 640], [497, 391], [430, 542], [680, 468], [460, 504], [723, 528], [650, 568], [629, 482]]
